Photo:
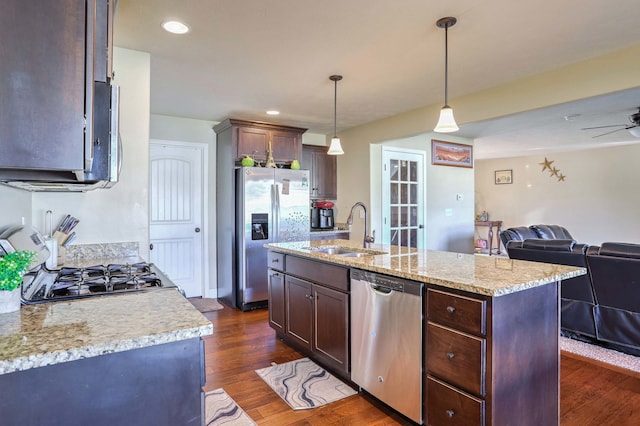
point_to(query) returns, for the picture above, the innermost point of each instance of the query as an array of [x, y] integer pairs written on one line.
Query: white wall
[[15, 204], [118, 214], [599, 200], [576, 81], [442, 184]]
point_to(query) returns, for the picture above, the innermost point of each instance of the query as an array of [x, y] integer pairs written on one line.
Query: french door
[[403, 197]]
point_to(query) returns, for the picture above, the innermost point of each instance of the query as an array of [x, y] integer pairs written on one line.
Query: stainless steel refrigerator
[[272, 205]]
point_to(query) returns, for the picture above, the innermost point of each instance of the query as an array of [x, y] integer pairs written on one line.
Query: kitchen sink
[[345, 251], [355, 254]]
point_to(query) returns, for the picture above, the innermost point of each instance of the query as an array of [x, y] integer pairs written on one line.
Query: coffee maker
[[322, 215]]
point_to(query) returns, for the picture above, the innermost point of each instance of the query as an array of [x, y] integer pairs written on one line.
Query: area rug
[[303, 384], [607, 356], [205, 304], [221, 409]]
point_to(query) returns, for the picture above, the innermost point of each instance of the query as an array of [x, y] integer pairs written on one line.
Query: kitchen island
[[133, 358], [490, 345]]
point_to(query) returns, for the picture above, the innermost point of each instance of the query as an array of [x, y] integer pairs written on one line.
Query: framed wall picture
[[503, 177], [451, 154]]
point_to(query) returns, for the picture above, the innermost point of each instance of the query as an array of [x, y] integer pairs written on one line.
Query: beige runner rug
[[205, 304]]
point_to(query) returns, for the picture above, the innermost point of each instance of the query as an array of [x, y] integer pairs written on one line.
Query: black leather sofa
[[602, 307], [615, 274]]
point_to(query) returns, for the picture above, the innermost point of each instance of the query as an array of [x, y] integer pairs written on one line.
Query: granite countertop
[[51, 333], [486, 275]]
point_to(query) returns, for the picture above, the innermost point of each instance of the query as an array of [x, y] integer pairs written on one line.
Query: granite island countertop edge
[[484, 275]]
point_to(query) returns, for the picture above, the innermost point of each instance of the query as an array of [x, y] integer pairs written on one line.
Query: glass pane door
[[403, 198]]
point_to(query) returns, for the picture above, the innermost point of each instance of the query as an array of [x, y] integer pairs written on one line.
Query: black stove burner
[[103, 279]]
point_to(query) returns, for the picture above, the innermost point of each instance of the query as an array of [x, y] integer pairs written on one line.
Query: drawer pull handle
[[450, 355], [451, 309], [450, 413], [274, 261]]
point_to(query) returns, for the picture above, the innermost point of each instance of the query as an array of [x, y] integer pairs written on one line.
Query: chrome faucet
[[367, 239]]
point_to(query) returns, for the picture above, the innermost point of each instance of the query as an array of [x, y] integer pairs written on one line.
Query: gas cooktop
[[98, 280]]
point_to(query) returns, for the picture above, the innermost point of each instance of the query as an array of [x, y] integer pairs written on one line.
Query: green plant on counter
[[13, 266]]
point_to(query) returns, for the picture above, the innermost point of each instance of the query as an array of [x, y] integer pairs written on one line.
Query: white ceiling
[[243, 57]]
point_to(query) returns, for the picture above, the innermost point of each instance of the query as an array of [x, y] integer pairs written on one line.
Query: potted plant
[[13, 266]]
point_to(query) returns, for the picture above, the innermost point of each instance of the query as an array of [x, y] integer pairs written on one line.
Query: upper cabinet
[[255, 138], [322, 172], [53, 53]]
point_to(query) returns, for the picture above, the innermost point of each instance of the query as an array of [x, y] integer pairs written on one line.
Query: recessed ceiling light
[[175, 27], [273, 112]]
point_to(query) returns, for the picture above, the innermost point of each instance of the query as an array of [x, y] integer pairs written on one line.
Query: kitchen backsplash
[[100, 251]]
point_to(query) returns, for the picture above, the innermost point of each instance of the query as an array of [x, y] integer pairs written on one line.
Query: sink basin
[[345, 251], [354, 254]]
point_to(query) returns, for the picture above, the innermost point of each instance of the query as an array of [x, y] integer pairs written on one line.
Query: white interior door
[[403, 197], [176, 214]]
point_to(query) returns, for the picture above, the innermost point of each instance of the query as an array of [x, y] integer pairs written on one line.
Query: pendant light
[[446, 123], [335, 148]]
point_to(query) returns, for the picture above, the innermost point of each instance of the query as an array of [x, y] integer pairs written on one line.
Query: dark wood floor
[[591, 394]]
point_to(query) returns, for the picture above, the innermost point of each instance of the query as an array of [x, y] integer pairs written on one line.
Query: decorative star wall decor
[[546, 165], [554, 172]]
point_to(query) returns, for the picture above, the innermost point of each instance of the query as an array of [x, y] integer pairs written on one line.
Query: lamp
[[446, 123], [335, 148]]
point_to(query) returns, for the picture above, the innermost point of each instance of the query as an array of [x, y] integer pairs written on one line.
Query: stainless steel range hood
[[107, 154]]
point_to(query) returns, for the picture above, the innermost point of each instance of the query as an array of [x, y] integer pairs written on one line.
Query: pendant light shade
[[446, 123], [335, 148]]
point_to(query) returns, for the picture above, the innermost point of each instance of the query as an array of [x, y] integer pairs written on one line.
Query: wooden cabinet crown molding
[[230, 122]]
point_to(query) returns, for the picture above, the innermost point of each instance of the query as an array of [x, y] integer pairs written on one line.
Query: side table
[[491, 224]]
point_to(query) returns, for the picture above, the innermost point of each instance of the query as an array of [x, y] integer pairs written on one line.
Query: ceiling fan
[[634, 127]]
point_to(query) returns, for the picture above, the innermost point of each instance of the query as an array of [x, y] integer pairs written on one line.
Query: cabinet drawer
[[447, 405], [319, 272], [457, 358], [275, 261], [463, 313]]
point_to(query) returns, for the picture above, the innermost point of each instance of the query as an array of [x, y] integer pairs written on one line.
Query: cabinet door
[[276, 301], [42, 89], [325, 167], [298, 310], [331, 325], [307, 164], [323, 172], [252, 142], [285, 146]]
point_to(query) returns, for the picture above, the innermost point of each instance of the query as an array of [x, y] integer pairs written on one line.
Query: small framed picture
[[503, 177]]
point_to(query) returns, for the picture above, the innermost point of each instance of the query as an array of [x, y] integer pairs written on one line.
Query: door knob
[[150, 246], [197, 229]]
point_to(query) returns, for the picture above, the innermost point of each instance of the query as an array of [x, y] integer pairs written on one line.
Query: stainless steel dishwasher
[[386, 340]]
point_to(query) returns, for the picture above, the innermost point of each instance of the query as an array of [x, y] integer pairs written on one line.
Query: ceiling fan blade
[[608, 133], [602, 127]]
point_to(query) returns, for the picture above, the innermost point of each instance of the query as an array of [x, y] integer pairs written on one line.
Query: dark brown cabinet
[[298, 311], [322, 172], [316, 310], [276, 300], [52, 53], [252, 138], [480, 368]]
